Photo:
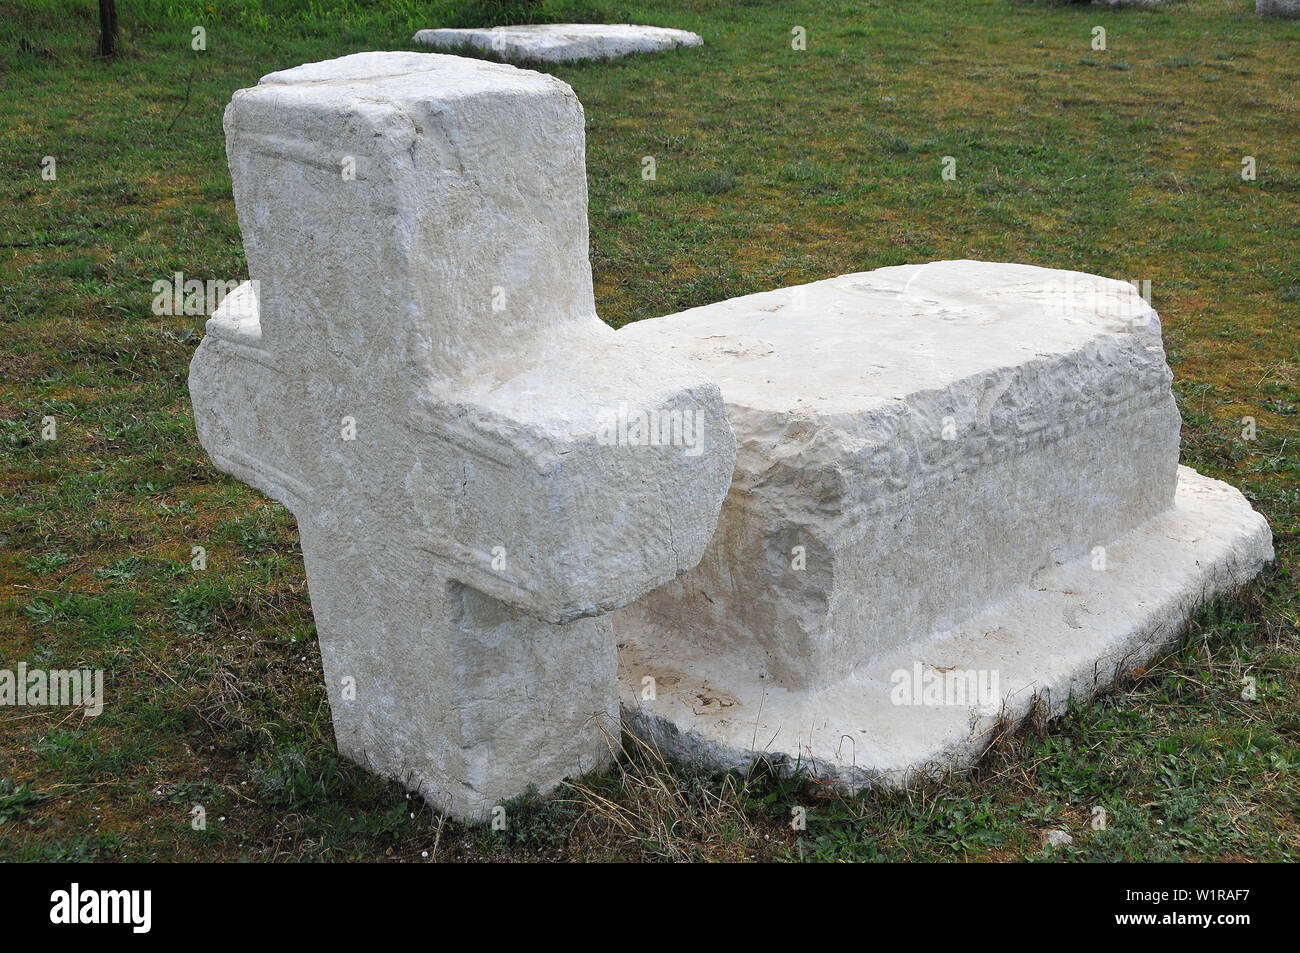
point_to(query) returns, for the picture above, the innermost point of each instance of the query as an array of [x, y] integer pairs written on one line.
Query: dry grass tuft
[[662, 812]]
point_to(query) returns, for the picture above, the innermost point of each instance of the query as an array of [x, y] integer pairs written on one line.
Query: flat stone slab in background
[[1278, 8], [562, 42]]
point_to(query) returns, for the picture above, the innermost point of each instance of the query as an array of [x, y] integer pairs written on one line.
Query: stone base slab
[[1072, 631]]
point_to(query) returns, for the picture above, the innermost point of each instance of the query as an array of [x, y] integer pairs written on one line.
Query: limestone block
[[960, 467], [912, 442], [562, 42], [418, 372]]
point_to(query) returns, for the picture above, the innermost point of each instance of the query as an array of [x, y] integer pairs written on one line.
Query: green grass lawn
[[774, 167]]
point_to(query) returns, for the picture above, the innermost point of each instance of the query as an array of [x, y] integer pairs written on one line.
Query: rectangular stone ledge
[[1070, 633]]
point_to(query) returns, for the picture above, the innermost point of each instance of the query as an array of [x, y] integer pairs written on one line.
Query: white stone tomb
[[957, 495], [953, 489]]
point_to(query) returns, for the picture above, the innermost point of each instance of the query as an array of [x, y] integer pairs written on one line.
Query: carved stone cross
[[423, 380]]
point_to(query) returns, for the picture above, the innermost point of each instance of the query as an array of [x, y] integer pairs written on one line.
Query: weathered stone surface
[[944, 470], [1278, 8], [932, 460], [417, 226], [562, 42], [929, 435]]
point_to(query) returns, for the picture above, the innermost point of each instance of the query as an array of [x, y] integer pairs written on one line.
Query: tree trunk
[[107, 27]]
